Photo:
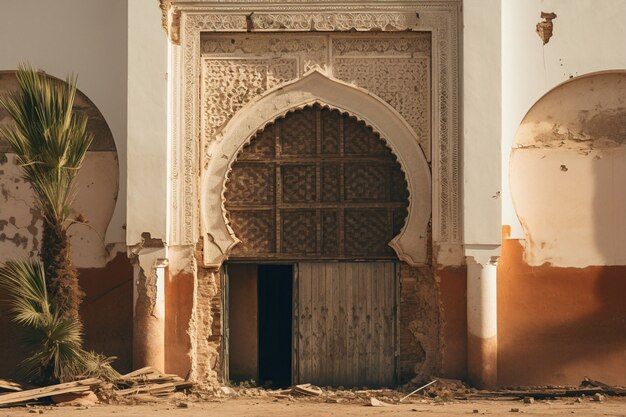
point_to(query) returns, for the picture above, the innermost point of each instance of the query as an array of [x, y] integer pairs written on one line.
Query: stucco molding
[[316, 88], [439, 18]]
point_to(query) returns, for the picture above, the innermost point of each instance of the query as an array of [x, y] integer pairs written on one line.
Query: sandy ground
[[252, 407]]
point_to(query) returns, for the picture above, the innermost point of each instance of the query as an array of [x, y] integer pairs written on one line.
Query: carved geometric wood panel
[[316, 184]]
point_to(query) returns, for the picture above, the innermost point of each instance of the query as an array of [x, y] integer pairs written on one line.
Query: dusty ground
[[274, 407]]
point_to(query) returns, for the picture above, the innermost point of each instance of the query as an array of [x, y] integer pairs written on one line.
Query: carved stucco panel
[[396, 45], [438, 18], [334, 21], [228, 84], [404, 83], [310, 51]]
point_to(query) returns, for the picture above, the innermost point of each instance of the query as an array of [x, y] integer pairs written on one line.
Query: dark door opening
[[275, 284], [260, 324]]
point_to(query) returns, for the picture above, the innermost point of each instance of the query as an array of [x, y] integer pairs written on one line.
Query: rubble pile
[[150, 385], [145, 381]]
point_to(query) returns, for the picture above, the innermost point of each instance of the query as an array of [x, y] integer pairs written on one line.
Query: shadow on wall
[[107, 307], [561, 308]]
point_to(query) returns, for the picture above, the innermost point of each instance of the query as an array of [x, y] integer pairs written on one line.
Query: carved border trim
[[441, 19]]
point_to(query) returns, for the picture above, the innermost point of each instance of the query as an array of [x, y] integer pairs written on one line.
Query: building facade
[[345, 193]]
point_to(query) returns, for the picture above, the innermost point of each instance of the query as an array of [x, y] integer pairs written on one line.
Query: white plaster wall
[[575, 219], [589, 36], [147, 202], [481, 128], [85, 37]]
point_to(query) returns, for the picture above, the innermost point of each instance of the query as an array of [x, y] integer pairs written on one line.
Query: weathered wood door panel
[[346, 323]]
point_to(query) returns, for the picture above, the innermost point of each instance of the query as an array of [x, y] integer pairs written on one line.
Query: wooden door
[[346, 323]]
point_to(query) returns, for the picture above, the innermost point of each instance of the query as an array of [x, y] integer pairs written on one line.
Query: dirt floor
[[274, 407]]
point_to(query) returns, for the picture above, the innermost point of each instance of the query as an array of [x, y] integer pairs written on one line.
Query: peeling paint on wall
[[205, 329], [421, 322], [21, 222], [545, 27], [568, 173]]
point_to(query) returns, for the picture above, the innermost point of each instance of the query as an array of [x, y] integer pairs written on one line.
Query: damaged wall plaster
[[568, 173], [21, 223], [545, 27], [421, 323], [149, 265], [205, 328]]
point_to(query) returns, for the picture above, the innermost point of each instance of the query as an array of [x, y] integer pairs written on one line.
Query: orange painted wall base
[[558, 325]]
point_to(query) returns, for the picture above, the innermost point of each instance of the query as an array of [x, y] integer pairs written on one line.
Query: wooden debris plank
[[142, 371], [10, 385], [76, 386], [152, 380], [146, 389], [307, 389]]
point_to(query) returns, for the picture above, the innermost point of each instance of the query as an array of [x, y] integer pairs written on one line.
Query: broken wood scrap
[[44, 392], [147, 389], [307, 389], [419, 389], [150, 381], [6, 385], [148, 374], [142, 372]]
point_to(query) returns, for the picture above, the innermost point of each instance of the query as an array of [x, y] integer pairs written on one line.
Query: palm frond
[[24, 283], [97, 365], [56, 347]]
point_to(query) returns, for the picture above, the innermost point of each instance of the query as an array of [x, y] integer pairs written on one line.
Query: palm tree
[[50, 141]]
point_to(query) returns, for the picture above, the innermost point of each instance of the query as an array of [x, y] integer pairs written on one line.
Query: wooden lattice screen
[[316, 184]]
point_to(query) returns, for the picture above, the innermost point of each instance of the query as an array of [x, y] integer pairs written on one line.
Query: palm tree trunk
[[61, 275]]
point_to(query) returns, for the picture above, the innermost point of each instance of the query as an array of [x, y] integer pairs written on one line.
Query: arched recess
[[567, 173], [97, 188], [316, 88]]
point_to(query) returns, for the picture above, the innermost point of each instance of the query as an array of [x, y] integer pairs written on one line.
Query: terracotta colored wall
[[107, 311], [10, 351], [558, 325], [453, 296], [107, 314], [178, 308]]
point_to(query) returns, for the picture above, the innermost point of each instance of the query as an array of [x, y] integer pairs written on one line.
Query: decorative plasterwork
[[439, 18], [394, 66], [315, 87]]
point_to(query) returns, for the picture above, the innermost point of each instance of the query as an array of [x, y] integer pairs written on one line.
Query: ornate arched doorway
[[314, 199]]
